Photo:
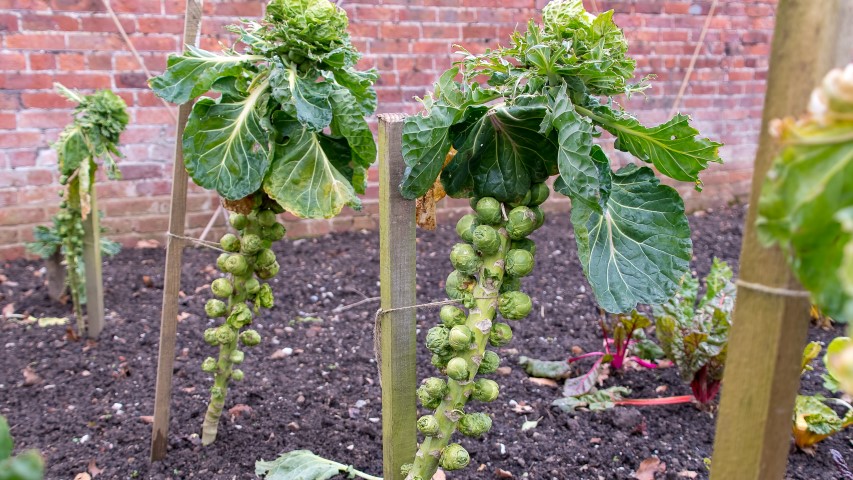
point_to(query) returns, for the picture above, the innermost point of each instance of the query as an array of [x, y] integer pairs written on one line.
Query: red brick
[[50, 23], [10, 61], [46, 99], [105, 23], [43, 119], [87, 81], [35, 41], [42, 61], [22, 215]]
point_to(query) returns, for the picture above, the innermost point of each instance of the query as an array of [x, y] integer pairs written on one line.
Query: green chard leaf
[[193, 73], [226, 147], [672, 147], [637, 248]]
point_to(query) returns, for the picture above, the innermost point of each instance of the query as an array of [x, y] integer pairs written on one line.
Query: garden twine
[[778, 291]]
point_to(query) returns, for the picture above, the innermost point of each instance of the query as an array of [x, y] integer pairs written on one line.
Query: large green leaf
[[505, 152], [578, 169], [225, 145], [672, 147], [305, 99], [304, 181], [349, 123], [192, 74], [426, 142], [638, 247], [299, 465], [807, 186]]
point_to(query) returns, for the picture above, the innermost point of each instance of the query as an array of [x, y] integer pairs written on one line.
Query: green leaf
[[349, 123], [304, 465], [304, 181], [360, 84], [225, 145], [556, 370], [505, 152], [820, 419], [192, 74], [638, 247], [595, 401], [307, 100], [804, 193], [6, 442], [426, 142], [71, 149], [672, 147], [578, 170]]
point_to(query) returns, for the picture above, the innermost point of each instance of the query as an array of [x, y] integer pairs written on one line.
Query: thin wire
[[690, 67], [197, 241]]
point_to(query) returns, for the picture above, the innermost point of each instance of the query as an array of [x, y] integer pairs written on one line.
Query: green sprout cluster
[[488, 266], [239, 296]]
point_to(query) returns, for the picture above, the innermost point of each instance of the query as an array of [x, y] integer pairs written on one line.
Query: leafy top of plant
[[289, 117], [520, 114], [806, 203]]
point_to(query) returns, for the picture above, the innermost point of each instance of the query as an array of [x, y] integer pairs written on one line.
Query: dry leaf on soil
[[545, 382], [648, 468], [688, 474], [30, 377], [501, 473], [93, 468], [238, 410], [148, 244], [9, 310], [149, 419], [83, 476]]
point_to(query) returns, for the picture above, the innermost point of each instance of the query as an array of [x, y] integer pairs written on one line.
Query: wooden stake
[[769, 332], [94, 266], [174, 254], [397, 334]]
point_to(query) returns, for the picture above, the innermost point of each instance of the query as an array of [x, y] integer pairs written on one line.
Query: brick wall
[[75, 42]]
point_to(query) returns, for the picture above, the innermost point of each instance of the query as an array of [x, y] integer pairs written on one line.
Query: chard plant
[[93, 135], [544, 100], [28, 465], [284, 130]]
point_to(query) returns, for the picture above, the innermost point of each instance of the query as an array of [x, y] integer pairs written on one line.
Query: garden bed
[[91, 402]]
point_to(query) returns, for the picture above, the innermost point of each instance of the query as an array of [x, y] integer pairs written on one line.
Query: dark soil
[[91, 400]]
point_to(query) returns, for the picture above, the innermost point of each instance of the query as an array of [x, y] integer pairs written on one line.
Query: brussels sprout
[[486, 239], [222, 288], [460, 337], [540, 217], [491, 362], [237, 357], [237, 265], [439, 361], [500, 335], [210, 337], [538, 194], [266, 218], [268, 272], [452, 315], [521, 222], [251, 244], [454, 457], [237, 374], [465, 259], [238, 220], [457, 369], [220, 261], [217, 392], [474, 424], [406, 468], [514, 305], [208, 365], [524, 200], [240, 316], [458, 284], [488, 211], [265, 297], [428, 425], [524, 244], [215, 308], [230, 243], [437, 339], [63, 179], [250, 338], [519, 263], [225, 335], [252, 286], [265, 258], [431, 392], [63, 204], [465, 227], [473, 202], [485, 390], [275, 232], [510, 284]]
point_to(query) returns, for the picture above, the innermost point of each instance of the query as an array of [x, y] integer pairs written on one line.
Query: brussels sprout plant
[[285, 131], [546, 97], [99, 120]]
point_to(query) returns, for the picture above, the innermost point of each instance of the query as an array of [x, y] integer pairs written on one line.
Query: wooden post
[[769, 332], [94, 266], [174, 254], [397, 330], [56, 286]]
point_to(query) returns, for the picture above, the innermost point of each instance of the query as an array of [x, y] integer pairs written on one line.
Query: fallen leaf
[[146, 280], [545, 382], [93, 468], [188, 389], [648, 468], [30, 377], [52, 321], [238, 410], [149, 419], [661, 389], [688, 474], [8, 310], [595, 440], [150, 243], [576, 350], [520, 407], [183, 316], [83, 476], [501, 473], [504, 371]]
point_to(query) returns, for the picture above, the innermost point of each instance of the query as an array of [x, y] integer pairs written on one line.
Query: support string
[[197, 241], [782, 292]]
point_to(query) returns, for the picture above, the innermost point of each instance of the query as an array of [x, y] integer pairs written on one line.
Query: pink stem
[[639, 402], [585, 355], [644, 363]]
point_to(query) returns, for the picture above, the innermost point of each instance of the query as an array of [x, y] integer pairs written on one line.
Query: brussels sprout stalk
[[249, 256], [484, 302]]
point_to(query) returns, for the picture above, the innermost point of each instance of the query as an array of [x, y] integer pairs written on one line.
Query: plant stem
[[479, 320]]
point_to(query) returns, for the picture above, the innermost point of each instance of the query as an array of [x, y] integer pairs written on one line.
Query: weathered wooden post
[[397, 329], [174, 254], [94, 266], [769, 332]]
